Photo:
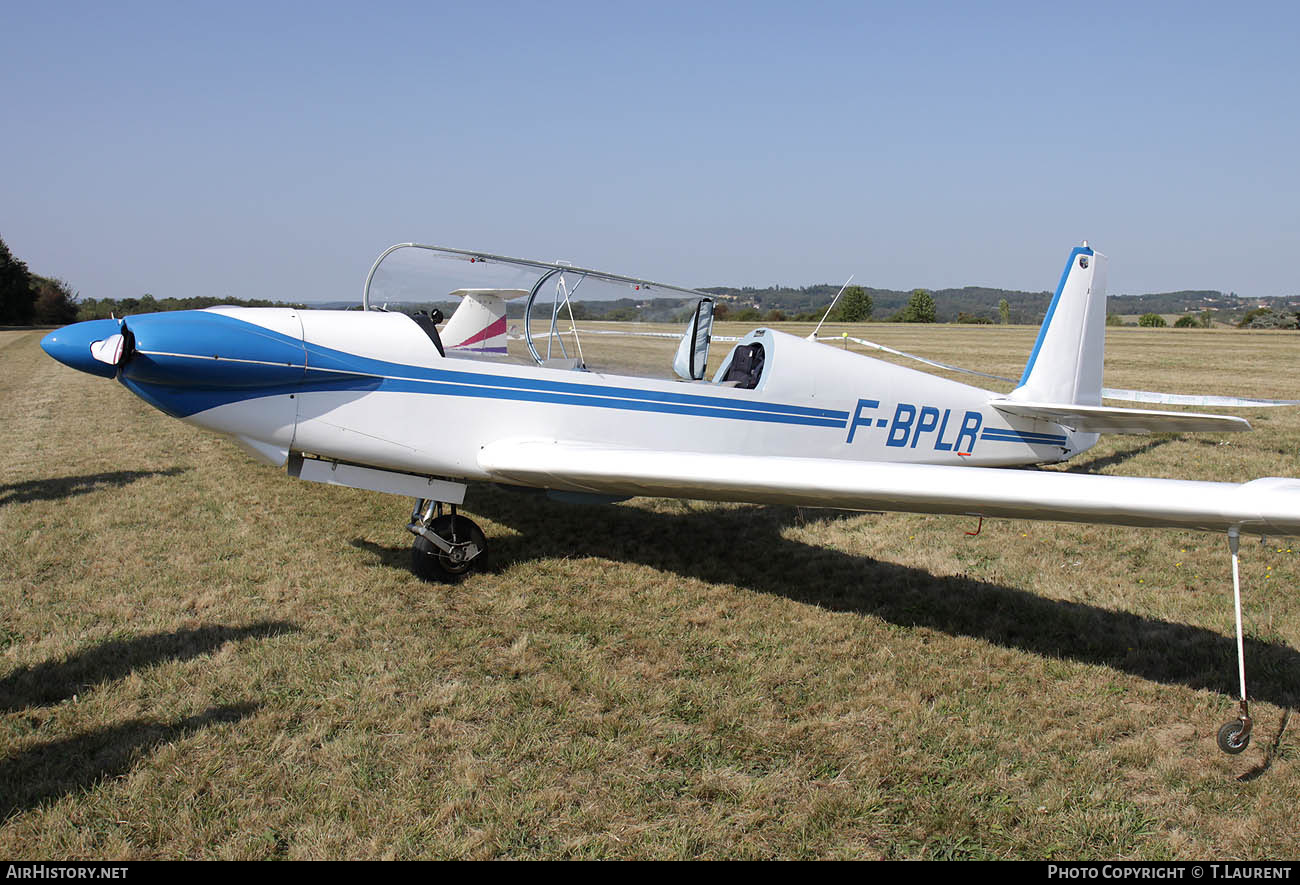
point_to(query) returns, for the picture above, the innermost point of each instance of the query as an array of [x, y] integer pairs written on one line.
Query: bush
[[56, 303], [1152, 321], [1262, 314], [1264, 318]]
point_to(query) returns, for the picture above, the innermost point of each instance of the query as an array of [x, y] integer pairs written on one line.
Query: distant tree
[[56, 303], [1152, 320], [1114, 319], [855, 306], [972, 319], [17, 296], [1187, 321], [919, 308], [1004, 311], [774, 316], [721, 310], [748, 315]]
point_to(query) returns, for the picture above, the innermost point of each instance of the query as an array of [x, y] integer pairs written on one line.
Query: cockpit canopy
[[423, 274]]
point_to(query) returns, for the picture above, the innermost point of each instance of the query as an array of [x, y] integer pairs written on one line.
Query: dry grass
[[200, 657]]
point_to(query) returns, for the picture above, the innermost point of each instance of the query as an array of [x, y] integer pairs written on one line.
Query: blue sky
[[273, 150]]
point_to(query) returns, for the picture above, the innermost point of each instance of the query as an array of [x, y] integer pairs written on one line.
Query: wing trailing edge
[[1268, 506]]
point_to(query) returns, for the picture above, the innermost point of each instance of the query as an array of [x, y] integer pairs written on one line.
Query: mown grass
[[200, 657]]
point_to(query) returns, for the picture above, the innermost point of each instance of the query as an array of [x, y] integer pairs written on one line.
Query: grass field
[[202, 658]]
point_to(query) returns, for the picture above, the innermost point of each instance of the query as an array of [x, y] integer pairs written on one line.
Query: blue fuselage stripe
[[995, 434], [396, 372], [410, 385], [184, 401], [171, 338]]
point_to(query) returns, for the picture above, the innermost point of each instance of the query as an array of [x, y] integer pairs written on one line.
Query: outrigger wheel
[[447, 545], [1234, 736]]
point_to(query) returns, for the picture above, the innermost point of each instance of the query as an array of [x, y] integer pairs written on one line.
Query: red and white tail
[[479, 325]]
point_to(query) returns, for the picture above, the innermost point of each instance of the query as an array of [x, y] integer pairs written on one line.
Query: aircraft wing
[[1268, 506], [1105, 419]]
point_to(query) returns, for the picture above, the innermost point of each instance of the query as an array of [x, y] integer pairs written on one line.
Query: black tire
[[1233, 737], [429, 563]]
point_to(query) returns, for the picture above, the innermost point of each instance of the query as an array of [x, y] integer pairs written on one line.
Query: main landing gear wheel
[[430, 563], [446, 546], [1234, 736]]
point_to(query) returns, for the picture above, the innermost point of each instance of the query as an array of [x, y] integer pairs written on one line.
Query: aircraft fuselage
[[371, 388]]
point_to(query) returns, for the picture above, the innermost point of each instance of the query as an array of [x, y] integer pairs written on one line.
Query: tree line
[[27, 298], [103, 308], [854, 305]]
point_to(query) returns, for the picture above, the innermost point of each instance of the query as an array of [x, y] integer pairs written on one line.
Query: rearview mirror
[[693, 352]]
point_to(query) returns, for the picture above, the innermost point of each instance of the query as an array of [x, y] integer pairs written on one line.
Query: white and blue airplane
[[376, 400]]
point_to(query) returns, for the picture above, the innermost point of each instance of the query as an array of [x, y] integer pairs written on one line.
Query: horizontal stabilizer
[[1264, 506], [505, 294], [478, 327], [1104, 419], [1194, 399]]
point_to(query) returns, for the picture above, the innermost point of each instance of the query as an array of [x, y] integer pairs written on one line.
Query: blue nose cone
[[71, 345]]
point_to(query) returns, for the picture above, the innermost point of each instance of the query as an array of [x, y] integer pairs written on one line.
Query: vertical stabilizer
[[479, 324], [1065, 365]]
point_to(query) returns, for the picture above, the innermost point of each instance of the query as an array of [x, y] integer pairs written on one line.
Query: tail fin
[[479, 323], [1065, 365]]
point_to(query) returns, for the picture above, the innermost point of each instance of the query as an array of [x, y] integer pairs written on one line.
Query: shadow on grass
[[1271, 751], [69, 486], [1101, 462], [55, 681], [744, 546], [56, 768]]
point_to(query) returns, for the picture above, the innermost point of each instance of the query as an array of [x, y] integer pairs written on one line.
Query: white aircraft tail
[[1065, 365], [1062, 380], [479, 325]]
